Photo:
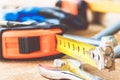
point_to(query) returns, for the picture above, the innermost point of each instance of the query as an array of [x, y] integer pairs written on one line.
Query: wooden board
[[29, 70]]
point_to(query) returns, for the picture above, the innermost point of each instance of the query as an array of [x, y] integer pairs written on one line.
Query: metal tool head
[[53, 73], [75, 67], [104, 54], [107, 39]]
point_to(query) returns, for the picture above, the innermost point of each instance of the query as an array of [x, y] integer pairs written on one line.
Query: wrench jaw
[[53, 73], [75, 67]]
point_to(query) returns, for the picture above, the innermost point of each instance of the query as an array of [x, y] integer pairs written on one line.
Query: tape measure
[[19, 41], [75, 49], [92, 55]]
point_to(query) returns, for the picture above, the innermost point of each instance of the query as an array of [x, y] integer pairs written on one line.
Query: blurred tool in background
[[104, 12], [75, 7], [52, 15]]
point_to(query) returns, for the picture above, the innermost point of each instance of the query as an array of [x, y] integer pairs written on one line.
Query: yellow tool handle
[[75, 49], [104, 6]]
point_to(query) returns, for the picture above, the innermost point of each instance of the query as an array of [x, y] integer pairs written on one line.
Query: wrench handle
[[108, 31]]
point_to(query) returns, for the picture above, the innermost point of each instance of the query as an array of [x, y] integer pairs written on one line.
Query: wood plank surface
[[29, 70]]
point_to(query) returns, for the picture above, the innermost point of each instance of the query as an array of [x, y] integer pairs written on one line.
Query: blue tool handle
[[83, 39], [117, 51], [108, 31]]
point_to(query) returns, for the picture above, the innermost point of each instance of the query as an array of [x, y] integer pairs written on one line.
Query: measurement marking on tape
[[75, 49]]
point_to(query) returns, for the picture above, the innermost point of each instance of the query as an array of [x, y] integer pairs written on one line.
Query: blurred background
[[104, 18]]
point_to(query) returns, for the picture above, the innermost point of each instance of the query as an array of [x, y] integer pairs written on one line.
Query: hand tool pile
[[100, 55], [41, 37], [99, 52]]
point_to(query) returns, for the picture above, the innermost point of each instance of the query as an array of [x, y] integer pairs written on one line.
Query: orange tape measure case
[[23, 43]]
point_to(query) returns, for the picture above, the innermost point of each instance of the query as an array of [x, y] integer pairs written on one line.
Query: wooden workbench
[[29, 70]]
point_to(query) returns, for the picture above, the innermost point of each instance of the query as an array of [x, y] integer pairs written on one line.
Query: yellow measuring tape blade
[[75, 49]]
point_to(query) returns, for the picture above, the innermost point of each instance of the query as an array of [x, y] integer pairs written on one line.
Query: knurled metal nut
[[108, 51], [108, 62]]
